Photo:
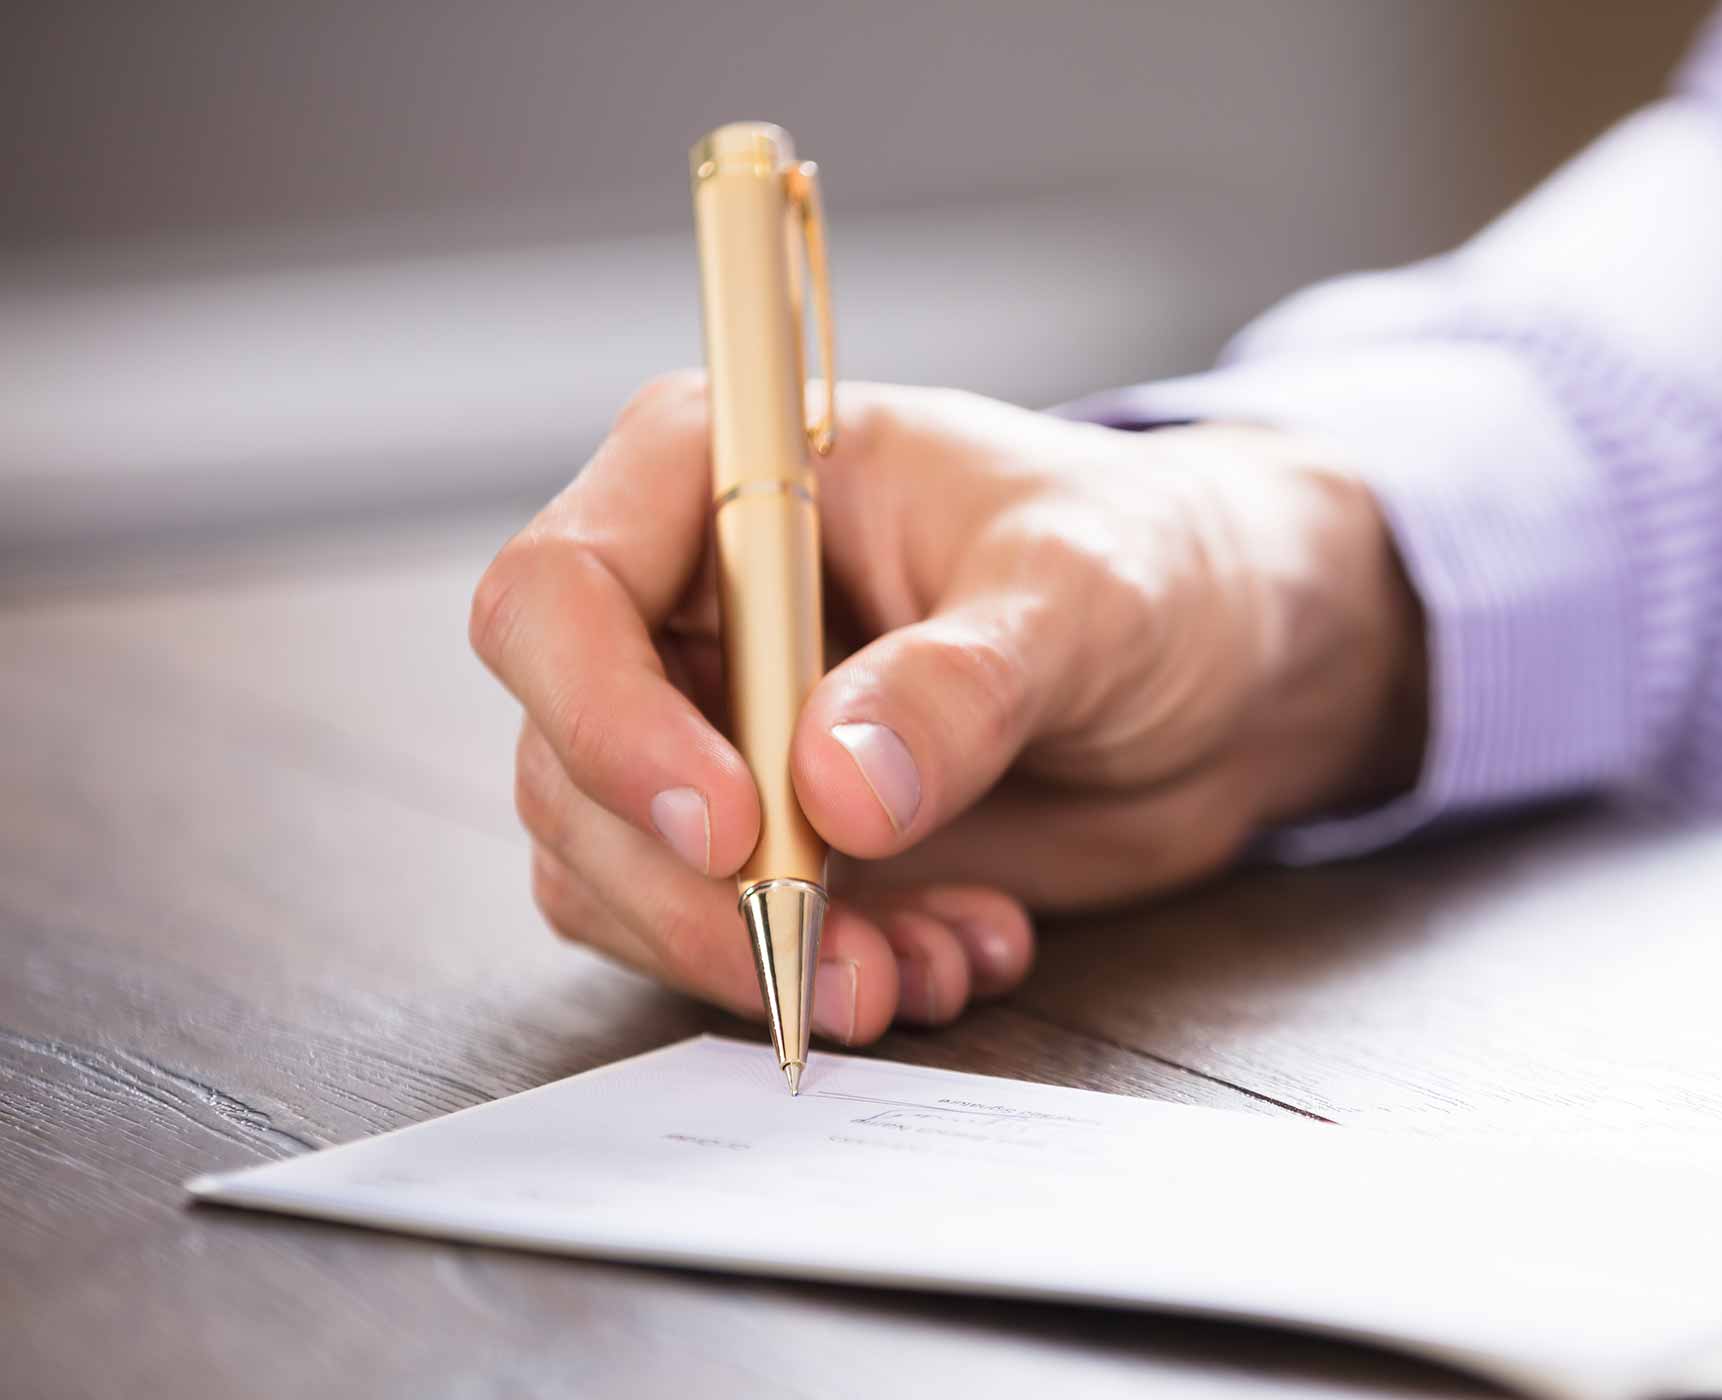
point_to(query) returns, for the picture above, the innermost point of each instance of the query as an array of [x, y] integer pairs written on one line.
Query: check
[[1557, 1273]]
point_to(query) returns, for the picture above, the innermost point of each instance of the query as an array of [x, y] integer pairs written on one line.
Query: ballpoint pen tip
[[792, 1072]]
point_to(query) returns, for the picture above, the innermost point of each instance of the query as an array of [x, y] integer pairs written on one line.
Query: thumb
[[912, 729]]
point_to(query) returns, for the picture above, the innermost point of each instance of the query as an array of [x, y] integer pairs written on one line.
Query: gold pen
[[757, 215]]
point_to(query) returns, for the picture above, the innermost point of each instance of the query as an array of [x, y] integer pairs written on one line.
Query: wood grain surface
[[261, 890]]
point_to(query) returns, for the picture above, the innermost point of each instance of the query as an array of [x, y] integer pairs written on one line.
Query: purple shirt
[[1539, 413]]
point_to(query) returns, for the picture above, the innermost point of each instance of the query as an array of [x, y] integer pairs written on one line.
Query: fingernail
[[990, 949], [887, 767], [834, 986], [916, 995], [684, 821]]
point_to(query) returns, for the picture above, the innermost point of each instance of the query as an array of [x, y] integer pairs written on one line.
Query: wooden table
[[261, 890]]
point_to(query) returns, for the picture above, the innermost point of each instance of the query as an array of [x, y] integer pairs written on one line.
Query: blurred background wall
[[264, 264]]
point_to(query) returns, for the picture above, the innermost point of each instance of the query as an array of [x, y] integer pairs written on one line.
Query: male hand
[[1072, 667]]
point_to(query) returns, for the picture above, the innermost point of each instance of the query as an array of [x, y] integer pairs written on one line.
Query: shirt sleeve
[[1539, 414]]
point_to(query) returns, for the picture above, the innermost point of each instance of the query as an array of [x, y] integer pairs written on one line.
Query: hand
[[1075, 667]]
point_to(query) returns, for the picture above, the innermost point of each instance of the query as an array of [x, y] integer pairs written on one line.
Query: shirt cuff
[[1501, 518]]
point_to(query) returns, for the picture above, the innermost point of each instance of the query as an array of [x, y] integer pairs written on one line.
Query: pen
[[756, 216]]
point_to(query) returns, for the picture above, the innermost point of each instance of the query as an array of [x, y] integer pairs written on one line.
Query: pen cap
[[749, 221]]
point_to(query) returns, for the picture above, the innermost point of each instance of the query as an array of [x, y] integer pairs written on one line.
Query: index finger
[[565, 614]]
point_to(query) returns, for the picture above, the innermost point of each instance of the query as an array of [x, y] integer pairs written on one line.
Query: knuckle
[[867, 419], [659, 395], [586, 739], [537, 794], [496, 605], [557, 895], [684, 934], [549, 885], [989, 677], [959, 404]]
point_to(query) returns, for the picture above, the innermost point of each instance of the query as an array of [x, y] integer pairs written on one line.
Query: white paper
[[1562, 1274]]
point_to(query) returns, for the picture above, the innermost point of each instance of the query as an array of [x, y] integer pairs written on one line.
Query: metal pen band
[[763, 488], [771, 886]]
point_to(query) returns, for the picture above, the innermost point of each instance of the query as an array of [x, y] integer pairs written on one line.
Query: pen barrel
[[763, 485], [773, 648]]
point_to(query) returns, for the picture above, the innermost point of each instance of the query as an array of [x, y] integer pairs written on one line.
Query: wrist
[[1386, 755], [1341, 717]]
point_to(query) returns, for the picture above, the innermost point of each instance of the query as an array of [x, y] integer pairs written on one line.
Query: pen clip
[[802, 181]]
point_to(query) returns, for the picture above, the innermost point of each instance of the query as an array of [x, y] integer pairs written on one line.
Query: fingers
[[933, 981], [600, 881], [993, 929], [565, 614], [704, 953], [954, 944], [917, 955]]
